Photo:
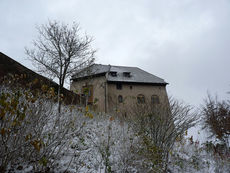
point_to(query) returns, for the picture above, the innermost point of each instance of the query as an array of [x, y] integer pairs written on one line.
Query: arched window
[[120, 99], [155, 99], [141, 99]]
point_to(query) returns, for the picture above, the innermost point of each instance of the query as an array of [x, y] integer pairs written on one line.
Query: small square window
[[126, 74], [113, 73], [119, 86]]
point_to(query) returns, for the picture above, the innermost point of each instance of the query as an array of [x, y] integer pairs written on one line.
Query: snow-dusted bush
[[104, 145], [35, 137], [32, 132], [158, 127], [191, 156]]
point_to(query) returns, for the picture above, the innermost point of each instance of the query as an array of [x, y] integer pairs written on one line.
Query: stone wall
[[129, 93], [98, 85], [107, 94]]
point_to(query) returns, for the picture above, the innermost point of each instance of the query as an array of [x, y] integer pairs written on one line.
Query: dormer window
[[126, 74], [113, 73]]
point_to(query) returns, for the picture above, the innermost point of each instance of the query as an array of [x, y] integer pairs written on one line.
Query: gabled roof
[[137, 75]]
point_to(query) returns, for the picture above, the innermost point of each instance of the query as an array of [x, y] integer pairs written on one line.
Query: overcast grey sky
[[186, 42]]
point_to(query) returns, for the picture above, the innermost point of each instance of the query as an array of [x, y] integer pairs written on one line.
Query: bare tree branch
[[60, 50]]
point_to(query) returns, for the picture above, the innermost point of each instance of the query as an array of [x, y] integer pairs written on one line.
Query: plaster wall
[[129, 92], [98, 84]]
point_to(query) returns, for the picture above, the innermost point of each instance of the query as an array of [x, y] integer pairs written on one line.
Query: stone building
[[113, 89]]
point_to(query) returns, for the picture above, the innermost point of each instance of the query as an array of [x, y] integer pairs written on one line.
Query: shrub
[[32, 131], [158, 127], [216, 115]]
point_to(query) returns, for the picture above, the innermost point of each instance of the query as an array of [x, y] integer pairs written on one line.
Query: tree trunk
[[59, 100]]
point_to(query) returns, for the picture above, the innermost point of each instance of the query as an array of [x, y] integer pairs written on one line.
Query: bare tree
[[158, 127], [60, 50]]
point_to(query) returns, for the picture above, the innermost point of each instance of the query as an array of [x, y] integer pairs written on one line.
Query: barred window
[[140, 99]]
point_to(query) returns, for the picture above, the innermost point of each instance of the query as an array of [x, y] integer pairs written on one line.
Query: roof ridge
[[115, 65]]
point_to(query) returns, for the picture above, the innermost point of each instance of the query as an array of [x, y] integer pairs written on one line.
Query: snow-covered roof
[[119, 74]]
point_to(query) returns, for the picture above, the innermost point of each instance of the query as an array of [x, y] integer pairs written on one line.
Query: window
[[126, 74], [140, 99], [113, 73], [88, 92], [120, 99], [119, 86], [155, 99]]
